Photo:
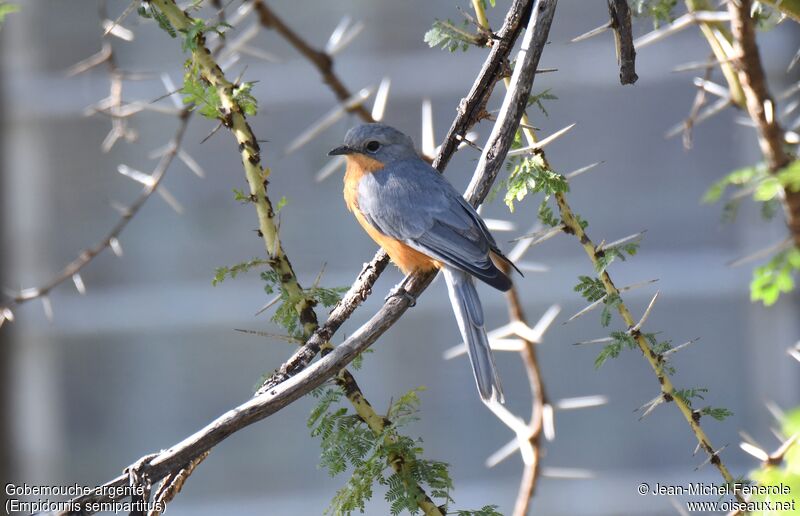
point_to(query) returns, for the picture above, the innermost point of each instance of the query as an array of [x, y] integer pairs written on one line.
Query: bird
[[422, 222]]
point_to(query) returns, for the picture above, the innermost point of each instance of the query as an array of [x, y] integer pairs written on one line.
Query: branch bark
[[761, 106], [279, 396], [623, 37]]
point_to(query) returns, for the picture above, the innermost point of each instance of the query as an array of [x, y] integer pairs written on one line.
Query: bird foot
[[400, 291]]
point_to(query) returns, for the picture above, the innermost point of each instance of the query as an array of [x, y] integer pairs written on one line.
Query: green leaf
[[448, 36], [767, 189], [536, 100], [529, 174], [659, 10], [689, 395], [776, 277], [740, 178], [591, 289], [221, 273], [718, 413]]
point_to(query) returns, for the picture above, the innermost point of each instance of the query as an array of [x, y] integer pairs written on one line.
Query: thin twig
[[321, 60]]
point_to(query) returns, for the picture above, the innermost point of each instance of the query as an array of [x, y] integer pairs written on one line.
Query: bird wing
[[411, 202]]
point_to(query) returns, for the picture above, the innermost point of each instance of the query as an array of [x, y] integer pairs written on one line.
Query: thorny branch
[[321, 60], [263, 405], [110, 240], [761, 107], [530, 474]]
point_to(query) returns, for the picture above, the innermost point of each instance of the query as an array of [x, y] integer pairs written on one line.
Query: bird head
[[379, 142]]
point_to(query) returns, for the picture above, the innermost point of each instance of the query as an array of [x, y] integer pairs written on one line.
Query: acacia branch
[[88, 254], [530, 474], [279, 396], [761, 106], [321, 60], [620, 15]]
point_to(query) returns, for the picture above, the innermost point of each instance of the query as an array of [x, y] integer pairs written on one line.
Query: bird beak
[[341, 150]]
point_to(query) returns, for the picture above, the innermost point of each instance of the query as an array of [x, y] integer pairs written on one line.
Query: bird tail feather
[[469, 314]]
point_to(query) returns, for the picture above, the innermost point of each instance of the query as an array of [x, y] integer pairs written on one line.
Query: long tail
[[469, 314]]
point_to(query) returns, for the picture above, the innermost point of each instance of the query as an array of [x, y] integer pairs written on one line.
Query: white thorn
[[567, 473], [170, 200], [115, 246], [117, 30], [428, 138], [80, 286], [548, 422], [678, 348], [269, 304], [761, 253], [138, 176], [381, 98], [532, 266], [499, 225], [712, 88], [646, 314], [336, 35], [581, 402], [190, 162], [594, 32], [755, 451], [769, 111], [541, 143], [332, 166], [531, 239], [259, 54], [791, 137], [174, 96], [29, 293], [576, 173], [651, 405], [794, 352], [623, 240], [506, 451], [518, 426], [707, 113], [679, 24], [328, 119], [8, 315], [588, 308], [601, 340], [47, 306], [346, 39], [776, 411]]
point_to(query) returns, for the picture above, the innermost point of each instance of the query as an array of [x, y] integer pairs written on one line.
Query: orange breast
[[406, 258]]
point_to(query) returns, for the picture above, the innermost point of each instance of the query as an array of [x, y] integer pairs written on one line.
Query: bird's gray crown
[[381, 142]]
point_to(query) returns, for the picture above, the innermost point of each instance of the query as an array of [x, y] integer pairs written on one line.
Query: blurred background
[[149, 354]]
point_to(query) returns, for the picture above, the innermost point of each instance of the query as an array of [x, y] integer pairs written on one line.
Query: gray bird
[[423, 223]]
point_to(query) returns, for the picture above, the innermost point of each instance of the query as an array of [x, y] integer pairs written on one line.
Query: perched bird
[[423, 223]]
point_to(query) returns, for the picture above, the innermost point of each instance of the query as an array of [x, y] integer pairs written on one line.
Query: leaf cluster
[[529, 175], [348, 443], [221, 273], [775, 277], [448, 36], [661, 11]]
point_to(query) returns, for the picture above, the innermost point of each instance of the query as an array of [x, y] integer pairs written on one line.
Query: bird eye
[[373, 146]]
